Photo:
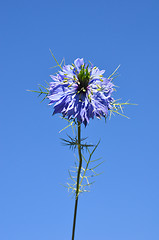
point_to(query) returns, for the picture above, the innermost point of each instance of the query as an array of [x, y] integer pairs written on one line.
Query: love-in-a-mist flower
[[80, 91]]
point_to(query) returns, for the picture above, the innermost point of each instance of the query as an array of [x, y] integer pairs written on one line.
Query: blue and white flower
[[80, 91]]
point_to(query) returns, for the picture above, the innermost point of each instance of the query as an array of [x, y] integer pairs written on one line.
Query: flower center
[[83, 78]]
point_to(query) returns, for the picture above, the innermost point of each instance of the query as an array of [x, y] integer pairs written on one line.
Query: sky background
[[124, 202]]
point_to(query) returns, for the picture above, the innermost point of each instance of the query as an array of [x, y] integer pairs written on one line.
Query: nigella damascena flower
[[80, 92]]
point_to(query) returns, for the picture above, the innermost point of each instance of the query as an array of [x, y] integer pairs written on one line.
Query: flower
[[80, 91]]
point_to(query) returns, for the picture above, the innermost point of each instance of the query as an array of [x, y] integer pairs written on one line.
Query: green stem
[[78, 179]]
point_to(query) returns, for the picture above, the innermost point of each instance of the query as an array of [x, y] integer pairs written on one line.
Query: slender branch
[[78, 179]]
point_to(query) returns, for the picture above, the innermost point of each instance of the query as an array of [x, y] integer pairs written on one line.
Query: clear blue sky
[[123, 203]]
